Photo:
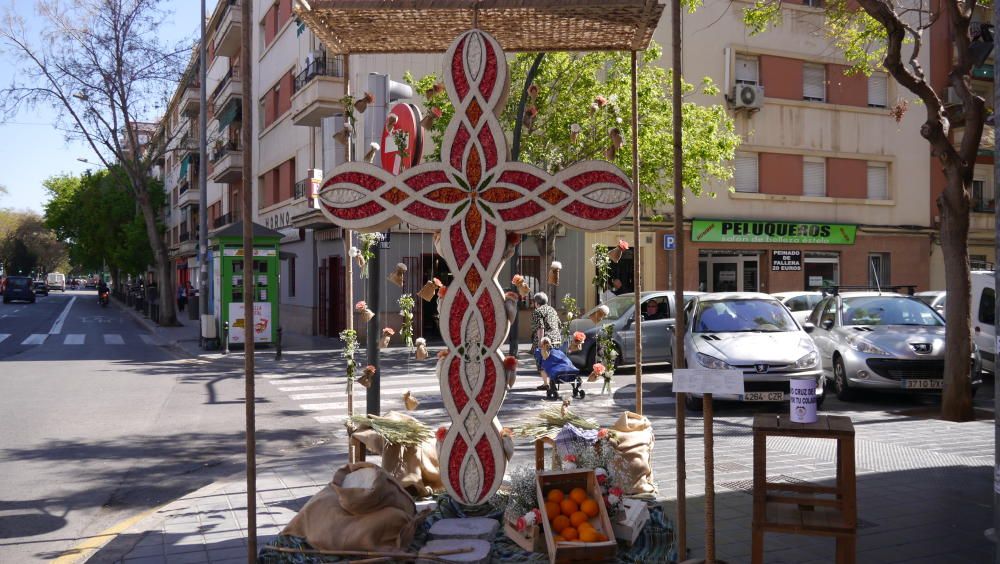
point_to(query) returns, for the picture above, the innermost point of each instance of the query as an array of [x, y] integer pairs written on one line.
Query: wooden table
[[805, 509]]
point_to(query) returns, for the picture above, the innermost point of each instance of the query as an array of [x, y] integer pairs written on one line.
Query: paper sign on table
[[707, 381]]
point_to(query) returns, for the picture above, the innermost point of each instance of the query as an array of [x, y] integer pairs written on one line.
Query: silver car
[[934, 298], [754, 333], [657, 330], [800, 304], [888, 341]]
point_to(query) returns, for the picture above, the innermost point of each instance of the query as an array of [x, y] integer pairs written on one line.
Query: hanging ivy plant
[[406, 303], [607, 354], [350, 339], [602, 266]]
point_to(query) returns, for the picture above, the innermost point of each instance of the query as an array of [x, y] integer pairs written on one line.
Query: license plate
[[923, 384], [764, 396]]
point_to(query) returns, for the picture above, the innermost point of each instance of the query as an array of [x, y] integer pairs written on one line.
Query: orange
[[570, 534], [569, 507], [601, 538], [589, 507], [585, 525], [577, 518], [560, 523], [558, 538], [552, 509], [588, 535], [578, 495], [555, 495]]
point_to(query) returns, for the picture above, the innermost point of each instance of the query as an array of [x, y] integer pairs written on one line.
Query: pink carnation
[[601, 101], [603, 433], [438, 283], [599, 369], [361, 306], [440, 433], [615, 491], [388, 331], [570, 458], [622, 245], [522, 524], [579, 336], [441, 291], [436, 112]]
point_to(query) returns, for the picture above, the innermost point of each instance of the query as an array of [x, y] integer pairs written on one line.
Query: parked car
[[882, 341], [756, 334], [800, 304], [18, 288], [657, 330], [984, 298], [934, 298], [41, 288]]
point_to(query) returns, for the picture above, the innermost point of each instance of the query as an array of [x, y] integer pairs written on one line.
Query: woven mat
[[654, 545]]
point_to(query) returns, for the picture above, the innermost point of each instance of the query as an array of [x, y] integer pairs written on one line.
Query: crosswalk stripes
[[74, 339], [4, 336], [35, 339], [148, 339], [113, 339]]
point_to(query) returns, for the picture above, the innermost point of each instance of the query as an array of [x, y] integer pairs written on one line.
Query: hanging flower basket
[[599, 313], [521, 285], [428, 291], [398, 275], [554, 269], [409, 401], [510, 370], [576, 345], [421, 352], [367, 375], [616, 252], [597, 371], [387, 334], [362, 309]]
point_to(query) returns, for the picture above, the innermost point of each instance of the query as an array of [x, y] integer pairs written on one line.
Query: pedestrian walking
[[544, 323], [181, 297]]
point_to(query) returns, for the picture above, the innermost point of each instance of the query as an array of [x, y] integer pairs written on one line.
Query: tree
[[96, 215], [891, 33], [103, 67], [579, 108], [27, 245]]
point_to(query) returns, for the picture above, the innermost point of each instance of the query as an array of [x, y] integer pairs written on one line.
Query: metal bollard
[[277, 353], [225, 337]]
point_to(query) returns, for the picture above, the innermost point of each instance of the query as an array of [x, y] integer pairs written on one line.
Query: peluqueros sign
[[746, 231]]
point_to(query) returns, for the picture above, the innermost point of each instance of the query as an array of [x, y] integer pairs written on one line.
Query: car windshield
[[19, 282], [927, 299], [742, 316], [889, 310], [618, 306]]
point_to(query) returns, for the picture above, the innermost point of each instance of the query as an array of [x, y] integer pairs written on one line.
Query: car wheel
[[693, 403], [844, 393]]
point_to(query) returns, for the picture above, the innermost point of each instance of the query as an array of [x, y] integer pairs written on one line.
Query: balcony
[[228, 38], [229, 88], [317, 91], [190, 102], [222, 220], [227, 163]]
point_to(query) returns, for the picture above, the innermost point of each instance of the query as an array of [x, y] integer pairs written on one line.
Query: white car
[[754, 333], [800, 304]]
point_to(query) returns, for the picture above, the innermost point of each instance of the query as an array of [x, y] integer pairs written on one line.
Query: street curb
[[174, 346]]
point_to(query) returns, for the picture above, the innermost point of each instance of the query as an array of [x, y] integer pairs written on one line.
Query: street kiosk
[[230, 267]]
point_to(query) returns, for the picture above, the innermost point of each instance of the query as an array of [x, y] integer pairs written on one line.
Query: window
[[878, 95], [291, 277], [813, 177], [745, 173], [987, 301], [813, 3], [878, 270], [878, 183], [814, 83], [829, 312], [982, 196], [747, 70]]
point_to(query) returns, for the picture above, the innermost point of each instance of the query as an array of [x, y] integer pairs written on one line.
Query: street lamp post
[[202, 181]]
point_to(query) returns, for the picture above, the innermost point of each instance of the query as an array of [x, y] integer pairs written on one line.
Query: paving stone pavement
[[924, 485]]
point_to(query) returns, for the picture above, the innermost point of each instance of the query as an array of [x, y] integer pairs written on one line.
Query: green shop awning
[[184, 166], [230, 114]]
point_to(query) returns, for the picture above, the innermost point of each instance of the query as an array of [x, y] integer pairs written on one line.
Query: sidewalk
[[924, 486]]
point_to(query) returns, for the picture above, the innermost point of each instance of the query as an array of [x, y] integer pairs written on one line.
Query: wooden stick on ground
[[373, 556]]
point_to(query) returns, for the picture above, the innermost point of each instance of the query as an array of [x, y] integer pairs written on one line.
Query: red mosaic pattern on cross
[[475, 198]]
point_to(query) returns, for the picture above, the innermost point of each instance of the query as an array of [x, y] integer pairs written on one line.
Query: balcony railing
[[222, 220], [232, 74], [222, 150], [326, 66], [184, 236]]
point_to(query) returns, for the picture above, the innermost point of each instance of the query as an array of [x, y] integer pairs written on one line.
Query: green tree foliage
[[97, 217], [579, 108], [27, 245]]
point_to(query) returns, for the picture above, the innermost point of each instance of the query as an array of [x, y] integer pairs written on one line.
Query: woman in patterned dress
[[544, 323]]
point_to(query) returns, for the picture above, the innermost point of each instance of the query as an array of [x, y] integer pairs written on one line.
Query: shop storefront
[[737, 255]]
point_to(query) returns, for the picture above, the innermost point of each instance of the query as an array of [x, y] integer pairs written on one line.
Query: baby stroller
[[561, 371]]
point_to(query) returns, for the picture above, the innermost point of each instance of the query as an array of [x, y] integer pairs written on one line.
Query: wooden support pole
[[636, 215], [249, 279], [678, 354]]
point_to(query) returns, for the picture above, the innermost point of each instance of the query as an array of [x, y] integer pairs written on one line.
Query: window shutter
[[745, 174], [746, 70], [878, 188], [877, 90], [814, 178], [814, 82]]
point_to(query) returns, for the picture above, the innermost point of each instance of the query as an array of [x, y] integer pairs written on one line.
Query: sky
[[32, 149]]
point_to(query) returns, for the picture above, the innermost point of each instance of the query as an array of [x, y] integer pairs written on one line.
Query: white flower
[[613, 499], [529, 518], [569, 465], [353, 252]]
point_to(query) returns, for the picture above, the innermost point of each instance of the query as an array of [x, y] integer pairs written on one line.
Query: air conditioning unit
[[747, 97]]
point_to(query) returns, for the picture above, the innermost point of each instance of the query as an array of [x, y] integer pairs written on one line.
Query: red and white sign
[[395, 159]]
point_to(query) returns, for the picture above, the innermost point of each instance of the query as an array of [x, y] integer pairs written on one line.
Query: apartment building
[[828, 187]]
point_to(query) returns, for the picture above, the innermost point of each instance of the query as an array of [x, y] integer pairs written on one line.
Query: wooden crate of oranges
[[576, 523]]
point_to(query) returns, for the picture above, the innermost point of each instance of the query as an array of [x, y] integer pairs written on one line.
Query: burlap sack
[[382, 517], [416, 468], [634, 443]]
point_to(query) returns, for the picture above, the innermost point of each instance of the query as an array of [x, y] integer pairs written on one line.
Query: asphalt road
[[99, 422]]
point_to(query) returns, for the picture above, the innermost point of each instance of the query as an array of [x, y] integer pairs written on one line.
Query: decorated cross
[[475, 197]]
